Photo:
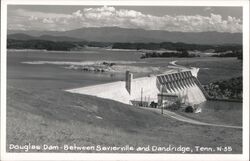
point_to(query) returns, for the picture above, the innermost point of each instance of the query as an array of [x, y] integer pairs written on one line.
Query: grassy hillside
[[57, 118]]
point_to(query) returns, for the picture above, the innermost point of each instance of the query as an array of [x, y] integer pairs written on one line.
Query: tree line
[[70, 45], [234, 53], [231, 88], [175, 46], [52, 45], [179, 54]]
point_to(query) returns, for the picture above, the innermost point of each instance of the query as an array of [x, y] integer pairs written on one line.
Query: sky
[[181, 18]]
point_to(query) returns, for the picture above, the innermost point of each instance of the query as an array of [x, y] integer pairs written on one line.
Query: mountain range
[[22, 36], [116, 34]]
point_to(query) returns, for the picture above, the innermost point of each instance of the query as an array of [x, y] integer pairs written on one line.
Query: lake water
[[40, 77]]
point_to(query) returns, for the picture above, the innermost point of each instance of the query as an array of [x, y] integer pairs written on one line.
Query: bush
[[189, 109]]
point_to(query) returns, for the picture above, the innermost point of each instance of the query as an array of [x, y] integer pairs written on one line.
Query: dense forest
[[40, 44], [226, 89]]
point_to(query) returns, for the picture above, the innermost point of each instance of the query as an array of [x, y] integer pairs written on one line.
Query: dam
[[181, 84]]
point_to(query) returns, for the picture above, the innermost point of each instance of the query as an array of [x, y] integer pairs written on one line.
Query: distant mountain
[[22, 36], [115, 34], [58, 38]]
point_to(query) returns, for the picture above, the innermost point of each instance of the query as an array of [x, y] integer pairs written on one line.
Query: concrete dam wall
[[117, 90], [183, 84]]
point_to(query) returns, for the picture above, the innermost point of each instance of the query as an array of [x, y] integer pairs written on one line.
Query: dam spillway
[[183, 84]]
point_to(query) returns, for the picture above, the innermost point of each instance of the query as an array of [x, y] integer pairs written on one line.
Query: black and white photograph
[[125, 79]]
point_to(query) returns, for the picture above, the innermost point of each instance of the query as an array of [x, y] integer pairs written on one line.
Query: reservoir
[[57, 77]]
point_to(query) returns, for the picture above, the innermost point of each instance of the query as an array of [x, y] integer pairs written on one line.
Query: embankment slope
[[58, 117]]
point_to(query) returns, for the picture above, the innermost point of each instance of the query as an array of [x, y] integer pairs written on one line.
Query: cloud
[[208, 9], [110, 16], [77, 13], [48, 20]]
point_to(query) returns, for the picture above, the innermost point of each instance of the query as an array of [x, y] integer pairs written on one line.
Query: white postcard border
[[115, 156]]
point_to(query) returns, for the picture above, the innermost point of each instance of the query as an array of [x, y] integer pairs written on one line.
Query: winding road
[[178, 117]]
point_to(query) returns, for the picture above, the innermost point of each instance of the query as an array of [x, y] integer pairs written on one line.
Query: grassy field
[[39, 111], [218, 112]]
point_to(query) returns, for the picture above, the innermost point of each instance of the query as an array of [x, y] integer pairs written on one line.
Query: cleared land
[[40, 112]]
